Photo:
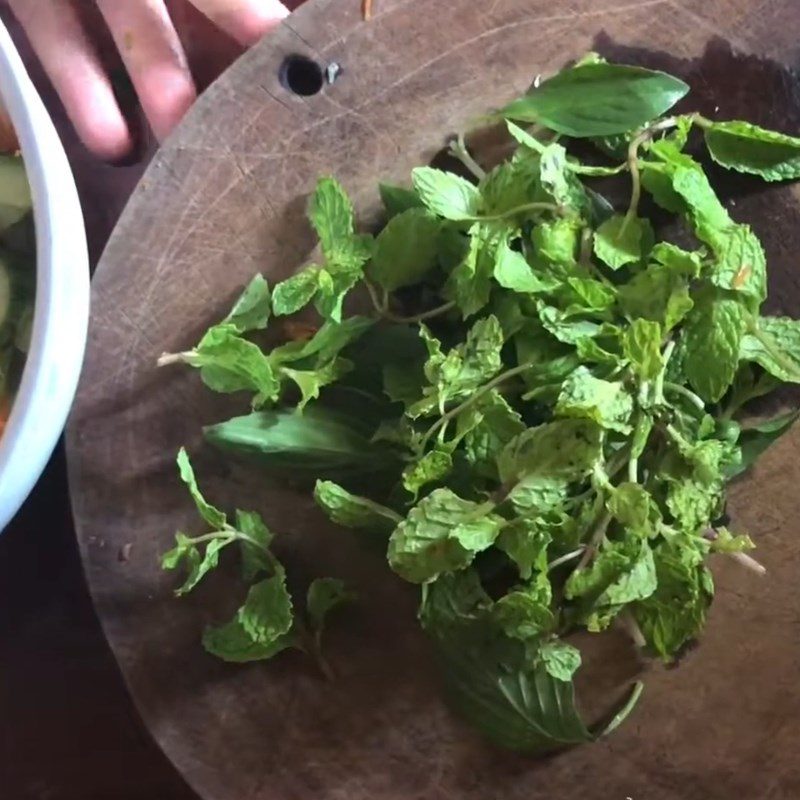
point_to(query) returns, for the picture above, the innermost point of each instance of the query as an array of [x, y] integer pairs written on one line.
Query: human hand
[[67, 37]]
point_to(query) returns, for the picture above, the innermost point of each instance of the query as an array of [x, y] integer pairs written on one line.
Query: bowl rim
[[61, 308]]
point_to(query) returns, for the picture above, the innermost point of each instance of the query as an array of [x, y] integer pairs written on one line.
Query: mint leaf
[[495, 425], [598, 99], [470, 283], [748, 148], [591, 294], [296, 292], [560, 659], [251, 312], [755, 439], [558, 180], [405, 250], [740, 264], [446, 194], [464, 369], [331, 213], [676, 611], [725, 542], [607, 403], [324, 596], [525, 542], [442, 533], [431, 468], [525, 612], [620, 240], [774, 344], [622, 573], [256, 557], [397, 199], [657, 294], [213, 516], [311, 381], [267, 611], [231, 642], [713, 337], [228, 363], [564, 327], [352, 511], [633, 506], [642, 346], [556, 242], [512, 271]]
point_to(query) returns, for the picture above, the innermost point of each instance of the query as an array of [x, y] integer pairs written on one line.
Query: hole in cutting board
[[301, 75]]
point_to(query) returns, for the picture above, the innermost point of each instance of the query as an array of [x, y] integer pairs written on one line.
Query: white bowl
[[61, 313]]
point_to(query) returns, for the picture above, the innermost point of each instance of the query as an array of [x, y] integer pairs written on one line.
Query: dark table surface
[[69, 730]]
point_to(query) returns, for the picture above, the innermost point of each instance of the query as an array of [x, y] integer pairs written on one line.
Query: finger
[[154, 58], [246, 20], [68, 58]]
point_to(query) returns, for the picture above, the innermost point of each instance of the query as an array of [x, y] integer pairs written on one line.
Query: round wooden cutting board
[[224, 199]]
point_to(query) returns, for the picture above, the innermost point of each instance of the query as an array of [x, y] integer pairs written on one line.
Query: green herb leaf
[[317, 443], [747, 148], [490, 679], [324, 596], [311, 381], [442, 533], [231, 642], [560, 659], [607, 403], [213, 516], [525, 542], [267, 611], [446, 194], [757, 438], [352, 511], [642, 346], [296, 292], [713, 337], [397, 199], [598, 99], [405, 250], [252, 310], [619, 240], [676, 611], [774, 344], [431, 468], [512, 271], [331, 213]]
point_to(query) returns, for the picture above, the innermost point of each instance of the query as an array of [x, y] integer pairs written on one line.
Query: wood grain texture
[[224, 198]]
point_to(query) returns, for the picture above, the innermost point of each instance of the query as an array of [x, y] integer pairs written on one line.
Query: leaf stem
[[633, 165], [557, 562], [748, 562], [658, 390], [684, 392], [458, 149], [594, 541], [538, 206], [165, 359], [474, 397], [433, 312]]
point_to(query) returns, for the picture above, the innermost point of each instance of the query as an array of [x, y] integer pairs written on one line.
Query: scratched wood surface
[[225, 198]]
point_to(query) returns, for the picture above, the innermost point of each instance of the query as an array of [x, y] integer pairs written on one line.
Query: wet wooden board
[[225, 198]]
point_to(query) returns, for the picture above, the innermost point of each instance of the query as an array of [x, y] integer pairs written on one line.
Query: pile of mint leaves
[[538, 417]]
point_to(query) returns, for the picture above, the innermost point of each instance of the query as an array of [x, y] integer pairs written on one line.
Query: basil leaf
[[319, 442], [774, 344], [607, 403], [251, 311], [598, 99]]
